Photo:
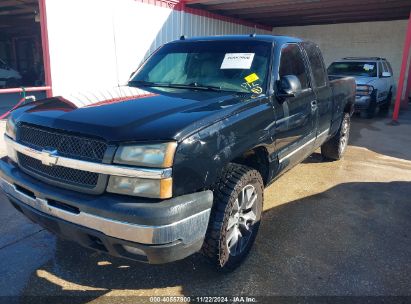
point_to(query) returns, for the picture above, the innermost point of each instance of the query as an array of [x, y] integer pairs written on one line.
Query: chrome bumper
[[186, 230], [46, 157]]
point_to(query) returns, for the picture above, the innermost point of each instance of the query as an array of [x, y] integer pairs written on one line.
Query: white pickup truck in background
[[374, 79], [8, 77]]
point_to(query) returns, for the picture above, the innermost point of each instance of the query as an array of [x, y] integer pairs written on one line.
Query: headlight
[[11, 132], [154, 188], [159, 155], [11, 129], [154, 155], [364, 90]]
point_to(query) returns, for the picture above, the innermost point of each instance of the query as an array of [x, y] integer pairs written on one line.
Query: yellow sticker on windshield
[[251, 78]]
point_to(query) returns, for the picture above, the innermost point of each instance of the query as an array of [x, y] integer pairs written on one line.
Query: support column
[[404, 104], [45, 46], [400, 86]]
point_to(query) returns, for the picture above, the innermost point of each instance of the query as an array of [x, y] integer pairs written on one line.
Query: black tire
[[335, 147], [372, 108], [384, 108], [228, 218]]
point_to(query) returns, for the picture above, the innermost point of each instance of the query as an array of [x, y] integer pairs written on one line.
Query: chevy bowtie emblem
[[49, 158]]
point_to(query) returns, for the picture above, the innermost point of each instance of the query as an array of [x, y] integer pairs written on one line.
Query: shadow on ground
[[353, 239]]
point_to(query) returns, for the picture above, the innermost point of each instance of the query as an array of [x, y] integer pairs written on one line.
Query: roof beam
[[257, 4], [358, 7], [331, 19], [337, 15], [326, 22], [291, 12], [17, 3], [17, 12], [313, 6]]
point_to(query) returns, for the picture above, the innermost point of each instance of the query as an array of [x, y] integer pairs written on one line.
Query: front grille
[[67, 145], [62, 174], [71, 146]]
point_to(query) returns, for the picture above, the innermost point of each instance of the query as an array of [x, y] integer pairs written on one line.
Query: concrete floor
[[329, 228]]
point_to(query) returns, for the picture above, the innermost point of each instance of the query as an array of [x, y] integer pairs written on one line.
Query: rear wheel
[[335, 147], [235, 217]]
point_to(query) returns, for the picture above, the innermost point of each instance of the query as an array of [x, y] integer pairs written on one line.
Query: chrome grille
[[62, 174], [71, 146], [67, 145]]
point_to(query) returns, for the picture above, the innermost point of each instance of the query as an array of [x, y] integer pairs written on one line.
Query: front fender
[[201, 157]]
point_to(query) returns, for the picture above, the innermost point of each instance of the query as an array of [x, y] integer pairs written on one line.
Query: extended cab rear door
[[321, 88]]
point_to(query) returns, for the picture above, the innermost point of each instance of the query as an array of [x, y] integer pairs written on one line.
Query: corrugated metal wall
[[183, 23], [108, 39]]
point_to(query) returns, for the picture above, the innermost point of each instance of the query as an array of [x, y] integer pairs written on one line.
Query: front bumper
[[141, 229], [362, 103]]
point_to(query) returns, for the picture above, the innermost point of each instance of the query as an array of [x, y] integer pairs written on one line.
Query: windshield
[[238, 66], [354, 68]]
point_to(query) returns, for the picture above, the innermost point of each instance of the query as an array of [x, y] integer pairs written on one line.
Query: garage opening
[[22, 69]]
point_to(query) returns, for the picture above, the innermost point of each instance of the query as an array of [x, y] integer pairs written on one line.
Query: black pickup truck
[[176, 162]]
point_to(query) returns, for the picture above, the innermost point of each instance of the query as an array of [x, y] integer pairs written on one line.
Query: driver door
[[296, 124]]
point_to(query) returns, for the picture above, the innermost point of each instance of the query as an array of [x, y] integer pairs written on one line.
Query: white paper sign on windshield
[[237, 61]]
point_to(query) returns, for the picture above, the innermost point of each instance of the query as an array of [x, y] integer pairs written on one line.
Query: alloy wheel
[[241, 220]]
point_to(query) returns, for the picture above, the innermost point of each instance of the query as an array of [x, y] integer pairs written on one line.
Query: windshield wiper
[[193, 86], [148, 83]]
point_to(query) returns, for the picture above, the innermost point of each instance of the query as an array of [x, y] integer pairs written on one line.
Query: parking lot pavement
[[329, 228]]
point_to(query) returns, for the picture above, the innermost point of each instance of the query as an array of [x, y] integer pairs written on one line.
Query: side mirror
[[289, 86], [386, 74]]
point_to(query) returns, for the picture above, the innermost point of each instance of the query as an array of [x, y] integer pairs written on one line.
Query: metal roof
[[18, 16], [278, 13]]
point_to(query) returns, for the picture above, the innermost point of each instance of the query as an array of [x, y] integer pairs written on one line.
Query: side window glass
[[316, 62], [379, 69], [385, 67], [390, 68], [292, 63]]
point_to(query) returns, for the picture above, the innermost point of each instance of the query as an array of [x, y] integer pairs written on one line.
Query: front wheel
[[384, 108], [335, 147], [235, 217]]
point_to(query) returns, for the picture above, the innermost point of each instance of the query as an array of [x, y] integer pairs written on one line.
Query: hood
[[364, 80], [132, 114]]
